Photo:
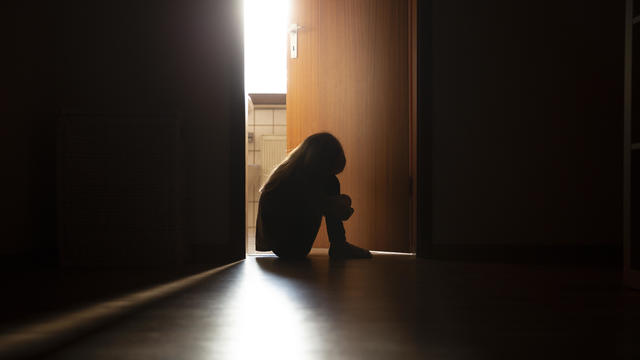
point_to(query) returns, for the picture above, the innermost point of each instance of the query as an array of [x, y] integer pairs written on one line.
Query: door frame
[[413, 124], [422, 129], [419, 176]]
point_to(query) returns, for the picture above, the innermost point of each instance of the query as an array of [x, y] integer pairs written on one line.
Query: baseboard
[[598, 255]]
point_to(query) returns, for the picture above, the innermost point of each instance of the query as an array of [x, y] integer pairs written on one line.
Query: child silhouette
[[301, 190]]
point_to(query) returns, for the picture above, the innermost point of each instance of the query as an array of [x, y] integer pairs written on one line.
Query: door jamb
[[422, 162], [413, 122]]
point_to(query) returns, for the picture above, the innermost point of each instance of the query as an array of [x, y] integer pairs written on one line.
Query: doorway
[[352, 73], [265, 28]]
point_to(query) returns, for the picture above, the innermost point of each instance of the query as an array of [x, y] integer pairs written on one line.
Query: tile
[[259, 132], [280, 117], [255, 214], [253, 180], [263, 117], [256, 191], [280, 130], [250, 157], [250, 215], [251, 240], [251, 116], [251, 145], [251, 191], [251, 243], [257, 157]]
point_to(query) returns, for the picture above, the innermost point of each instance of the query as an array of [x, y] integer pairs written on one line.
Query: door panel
[[351, 78]]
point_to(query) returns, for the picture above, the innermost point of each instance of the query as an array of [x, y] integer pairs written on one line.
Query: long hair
[[319, 154]]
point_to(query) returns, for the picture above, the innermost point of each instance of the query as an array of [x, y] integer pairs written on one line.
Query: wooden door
[[351, 77]]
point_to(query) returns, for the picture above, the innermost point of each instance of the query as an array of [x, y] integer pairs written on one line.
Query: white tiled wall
[[260, 131], [280, 117], [262, 120], [264, 117]]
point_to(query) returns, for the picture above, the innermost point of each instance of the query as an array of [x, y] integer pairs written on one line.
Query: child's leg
[[339, 247], [335, 228], [297, 236], [294, 252]]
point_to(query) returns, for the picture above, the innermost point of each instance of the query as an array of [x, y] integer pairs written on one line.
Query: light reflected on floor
[[266, 321]]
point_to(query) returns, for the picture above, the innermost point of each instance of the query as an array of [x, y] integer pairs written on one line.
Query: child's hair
[[318, 154]]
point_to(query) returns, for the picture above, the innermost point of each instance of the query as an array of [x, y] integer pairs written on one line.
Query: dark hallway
[[122, 184], [391, 307]]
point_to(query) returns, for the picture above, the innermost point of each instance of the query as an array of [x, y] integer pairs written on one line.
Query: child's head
[[319, 155], [322, 155]]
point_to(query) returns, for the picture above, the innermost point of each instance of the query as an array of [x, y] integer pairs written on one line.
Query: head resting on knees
[[319, 155]]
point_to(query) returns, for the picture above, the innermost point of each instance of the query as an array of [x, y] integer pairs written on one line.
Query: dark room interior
[[122, 231]]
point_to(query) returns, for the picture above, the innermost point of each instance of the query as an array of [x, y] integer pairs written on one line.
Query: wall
[[522, 114], [128, 60], [27, 133], [261, 120]]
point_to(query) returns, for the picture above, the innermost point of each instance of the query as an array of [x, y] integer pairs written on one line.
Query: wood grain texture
[[351, 78]]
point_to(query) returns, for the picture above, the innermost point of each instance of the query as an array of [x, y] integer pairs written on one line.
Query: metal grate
[[274, 150]]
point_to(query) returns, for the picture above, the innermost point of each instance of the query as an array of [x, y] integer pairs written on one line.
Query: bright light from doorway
[[265, 49]]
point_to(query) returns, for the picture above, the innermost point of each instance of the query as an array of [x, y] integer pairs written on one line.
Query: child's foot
[[344, 250]]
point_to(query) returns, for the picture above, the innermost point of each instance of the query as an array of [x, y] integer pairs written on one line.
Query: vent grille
[[274, 150]]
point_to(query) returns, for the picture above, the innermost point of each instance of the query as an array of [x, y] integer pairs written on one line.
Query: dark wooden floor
[[390, 307]]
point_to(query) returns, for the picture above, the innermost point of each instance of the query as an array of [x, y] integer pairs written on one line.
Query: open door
[[350, 75]]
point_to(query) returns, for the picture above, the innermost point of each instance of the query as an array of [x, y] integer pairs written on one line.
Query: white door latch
[[293, 39]]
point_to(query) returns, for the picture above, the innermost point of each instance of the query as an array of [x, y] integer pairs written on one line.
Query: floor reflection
[[268, 320], [390, 307]]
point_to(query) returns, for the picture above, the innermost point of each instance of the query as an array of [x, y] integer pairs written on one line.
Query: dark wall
[[150, 64], [27, 132], [522, 115]]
